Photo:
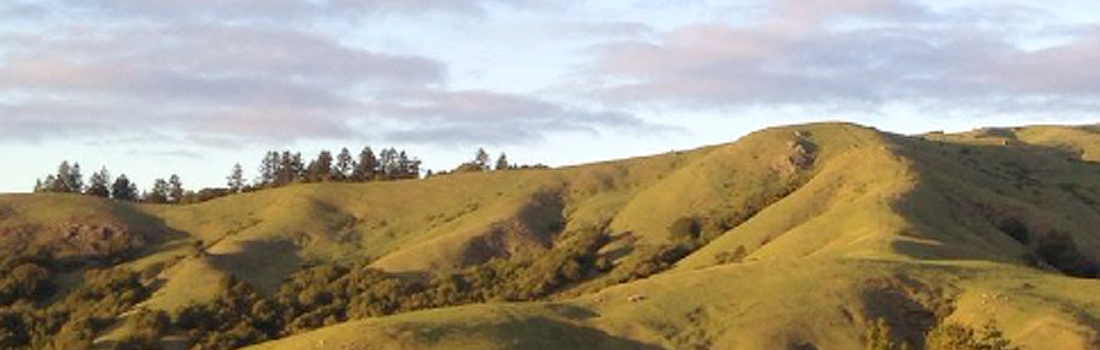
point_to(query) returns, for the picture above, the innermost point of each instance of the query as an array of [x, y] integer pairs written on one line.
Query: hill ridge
[[789, 237]]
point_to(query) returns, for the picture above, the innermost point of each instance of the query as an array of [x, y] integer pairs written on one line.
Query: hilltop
[[795, 237]]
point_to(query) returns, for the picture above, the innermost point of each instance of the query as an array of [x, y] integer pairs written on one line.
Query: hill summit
[[814, 236]]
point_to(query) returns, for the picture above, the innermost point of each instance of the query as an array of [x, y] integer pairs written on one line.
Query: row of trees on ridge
[[277, 168]]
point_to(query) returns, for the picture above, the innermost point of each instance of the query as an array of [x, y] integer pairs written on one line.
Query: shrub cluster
[[71, 322]]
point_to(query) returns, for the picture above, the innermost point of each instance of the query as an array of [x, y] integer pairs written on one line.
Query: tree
[[53, 184], [269, 169], [159, 192], [502, 162], [954, 336], [482, 159], [991, 338], [321, 168], [410, 166], [345, 165], [235, 181], [175, 189], [879, 337], [73, 179], [387, 162], [290, 168], [60, 182], [150, 324], [123, 189], [99, 184], [67, 180], [685, 229], [367, 169]]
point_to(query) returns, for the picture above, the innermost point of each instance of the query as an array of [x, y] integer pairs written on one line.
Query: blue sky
[[154, 87]]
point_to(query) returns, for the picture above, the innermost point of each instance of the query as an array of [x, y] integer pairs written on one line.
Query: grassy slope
[[881, 226], [830, 240], [77, 226], [494, 326]]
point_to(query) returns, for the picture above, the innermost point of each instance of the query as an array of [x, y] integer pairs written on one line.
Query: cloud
[[284, 10], [484, 117], [620, 29], [851, 54], [203, 79], [221, 84], [22, 9]]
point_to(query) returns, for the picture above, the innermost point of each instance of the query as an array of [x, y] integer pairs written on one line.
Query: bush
[[15, 328], [1016, 229], [150, 324], [26, 281], [239, 317], [685, 229], [1060, 251], [953, 336], [880, 337], [736, 256]]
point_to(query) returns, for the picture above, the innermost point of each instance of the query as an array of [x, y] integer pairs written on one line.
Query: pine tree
[[502, 162], [481, 159], [99, 184], [68, 179], [284, 171], [367, 169], [74, 181], [290, 168], [297, 167], [123, 189], [235, 181], [54, 183], [388, 162], [175, 189], [159, 193], [321, 168], [407, 168], [269, 167], [61, 181], [345, 165]]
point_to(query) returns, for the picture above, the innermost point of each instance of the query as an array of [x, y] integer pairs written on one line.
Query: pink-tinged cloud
[[286, 10], [165, 77], [1069, 69], [848, 53], [483, 117]]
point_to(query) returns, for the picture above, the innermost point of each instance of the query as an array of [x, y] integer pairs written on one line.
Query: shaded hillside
[[790, 238], [78, 228], [916, 230]]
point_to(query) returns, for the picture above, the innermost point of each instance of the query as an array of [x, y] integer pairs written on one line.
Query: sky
[[155, 87]]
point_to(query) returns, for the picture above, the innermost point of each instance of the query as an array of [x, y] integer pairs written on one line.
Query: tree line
[[276, 169]]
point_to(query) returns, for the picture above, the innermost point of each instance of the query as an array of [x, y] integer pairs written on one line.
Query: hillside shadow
[[263, 264], [153, 228], [546, 333], [127, 234], [993, 202]]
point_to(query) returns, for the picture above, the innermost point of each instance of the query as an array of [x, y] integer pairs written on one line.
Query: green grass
[[841, 224]]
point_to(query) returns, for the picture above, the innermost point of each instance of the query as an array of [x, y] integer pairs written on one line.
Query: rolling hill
[[793, 237]]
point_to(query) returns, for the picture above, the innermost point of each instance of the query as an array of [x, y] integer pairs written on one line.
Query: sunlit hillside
[[794, 237]]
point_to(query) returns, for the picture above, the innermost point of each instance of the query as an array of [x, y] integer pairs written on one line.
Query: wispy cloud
[[854, 54], [207, 77], [283, 70], [283, 10], [473, 117]]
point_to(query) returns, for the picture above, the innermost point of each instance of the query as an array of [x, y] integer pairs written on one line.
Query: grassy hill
[[790, 238]]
